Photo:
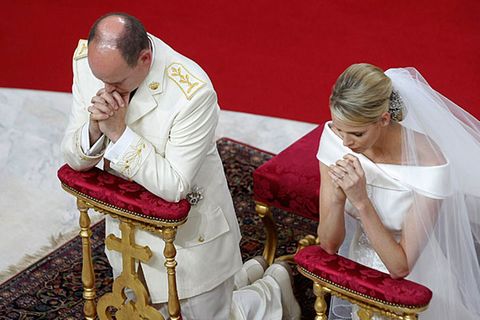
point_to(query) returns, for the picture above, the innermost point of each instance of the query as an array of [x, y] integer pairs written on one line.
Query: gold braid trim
[[106, 208]]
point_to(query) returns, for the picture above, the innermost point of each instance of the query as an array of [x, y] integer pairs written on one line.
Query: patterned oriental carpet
[[52, 287]]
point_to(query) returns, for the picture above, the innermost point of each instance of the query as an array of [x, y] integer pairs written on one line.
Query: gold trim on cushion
[[104, 207], [393, 310]]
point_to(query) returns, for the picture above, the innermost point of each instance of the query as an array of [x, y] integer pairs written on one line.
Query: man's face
[[108, 65]]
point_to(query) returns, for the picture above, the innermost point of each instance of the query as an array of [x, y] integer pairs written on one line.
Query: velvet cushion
[[291, 180], [123, 194], [361, 279]]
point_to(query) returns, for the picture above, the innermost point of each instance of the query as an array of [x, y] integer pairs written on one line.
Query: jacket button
[[201, 239]]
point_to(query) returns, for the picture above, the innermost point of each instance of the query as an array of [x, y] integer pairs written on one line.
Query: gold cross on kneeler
[[139, 308], [128, 248]]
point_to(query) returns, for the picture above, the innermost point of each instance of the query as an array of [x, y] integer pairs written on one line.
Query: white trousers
[[259, 301], [211, 305], [262, 300]]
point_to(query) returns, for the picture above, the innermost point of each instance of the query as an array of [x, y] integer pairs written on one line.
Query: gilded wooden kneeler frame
[[264, 212], [367, 305], [131, 252]]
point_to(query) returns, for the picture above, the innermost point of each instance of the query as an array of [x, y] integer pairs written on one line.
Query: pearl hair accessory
[[396, 107]]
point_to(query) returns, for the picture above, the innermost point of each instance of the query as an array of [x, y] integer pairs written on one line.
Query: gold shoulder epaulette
[[188, 83], [82, 49]]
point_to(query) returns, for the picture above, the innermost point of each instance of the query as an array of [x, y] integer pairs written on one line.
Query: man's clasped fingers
[[114, 99], [98, 107], [96, 114]]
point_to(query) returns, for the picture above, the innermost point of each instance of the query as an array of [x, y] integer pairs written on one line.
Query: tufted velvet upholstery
[[361, 279], [122, 194], [291, 180]]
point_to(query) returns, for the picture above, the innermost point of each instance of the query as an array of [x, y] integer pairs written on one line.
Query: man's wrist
[[114, 136], [94, 132]]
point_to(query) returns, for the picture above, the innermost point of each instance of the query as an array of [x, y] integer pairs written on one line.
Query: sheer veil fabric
[[444, 225], [441, 225]]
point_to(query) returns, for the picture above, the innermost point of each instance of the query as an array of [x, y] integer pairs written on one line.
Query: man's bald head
[[120, 31]]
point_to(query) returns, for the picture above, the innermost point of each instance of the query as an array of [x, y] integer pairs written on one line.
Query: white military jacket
[[172, 118]]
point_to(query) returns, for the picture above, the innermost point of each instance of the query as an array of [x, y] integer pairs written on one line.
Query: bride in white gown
[[402, 161]]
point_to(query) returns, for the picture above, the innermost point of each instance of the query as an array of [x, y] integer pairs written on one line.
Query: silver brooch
[[195, 195], [396, 107]]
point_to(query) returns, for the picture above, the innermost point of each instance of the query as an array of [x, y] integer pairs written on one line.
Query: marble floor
[[36, 215]]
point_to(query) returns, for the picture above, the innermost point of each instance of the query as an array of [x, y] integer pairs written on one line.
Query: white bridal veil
[[441, 165], [446, 225]]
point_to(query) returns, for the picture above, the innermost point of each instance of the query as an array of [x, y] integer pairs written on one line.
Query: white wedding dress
[[390, 191], [433, 198]]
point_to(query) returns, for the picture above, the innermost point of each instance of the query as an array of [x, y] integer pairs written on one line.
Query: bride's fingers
[[347, 167], [336, 180], [351, 170], [337, 171], [355, 163]]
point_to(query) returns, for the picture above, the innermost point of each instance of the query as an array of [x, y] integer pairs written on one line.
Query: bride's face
[[359, 138]]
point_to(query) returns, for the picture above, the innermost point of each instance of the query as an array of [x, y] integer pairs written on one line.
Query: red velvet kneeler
[[123, 195], [291, 180], [360, 279], [135, 207]]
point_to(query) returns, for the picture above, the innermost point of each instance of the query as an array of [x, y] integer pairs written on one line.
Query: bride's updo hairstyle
[[362, 94]]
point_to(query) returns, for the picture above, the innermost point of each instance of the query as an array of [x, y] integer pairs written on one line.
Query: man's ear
[[145, 57]]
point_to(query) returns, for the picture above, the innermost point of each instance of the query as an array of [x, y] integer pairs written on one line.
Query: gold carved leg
[[302, 243], [170, 252], [129, 278], [364, 314], [308, 240], [88, 276], [320, 303], [410, 317], [271, 234]]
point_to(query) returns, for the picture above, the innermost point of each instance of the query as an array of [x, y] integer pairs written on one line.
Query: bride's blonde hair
[[361, 94]]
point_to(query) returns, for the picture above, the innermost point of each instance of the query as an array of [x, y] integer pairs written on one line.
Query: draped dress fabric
[[391, 188]]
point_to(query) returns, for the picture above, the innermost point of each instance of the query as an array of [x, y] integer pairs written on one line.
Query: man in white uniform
[[150, 114]]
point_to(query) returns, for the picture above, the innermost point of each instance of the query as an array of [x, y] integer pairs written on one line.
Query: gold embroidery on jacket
[[82, 49], [133, 158], [187, 82]]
